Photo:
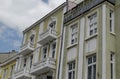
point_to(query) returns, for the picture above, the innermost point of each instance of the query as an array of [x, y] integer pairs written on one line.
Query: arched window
[[32, 38]]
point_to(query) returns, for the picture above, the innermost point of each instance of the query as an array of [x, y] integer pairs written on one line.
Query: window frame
[[111, 21], [112, 65], [72, 70], [92, 27], [46, 46], [54, 43], [73, 33], [92, 64]]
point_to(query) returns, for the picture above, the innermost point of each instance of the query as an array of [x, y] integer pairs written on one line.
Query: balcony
[[22, 74], [26, 48], [47, 36], [83, 7], [43, 66]]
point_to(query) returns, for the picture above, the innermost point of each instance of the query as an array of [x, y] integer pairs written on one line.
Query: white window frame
[[51, 49], [73, 33], [46, 46], [92, 64], [111, 21], [52, 19], [72, 70], [92, 24], [112, 62]]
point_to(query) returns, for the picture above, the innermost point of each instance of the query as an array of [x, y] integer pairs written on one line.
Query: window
[[52, 24], [112, 65], [4, 74], [74, 30], [31, 59], [12, 70], [32, 38], [71, 70], [53, 50], [91, 68], [45, 50], [92, 29], [25, 61], [111, 21]]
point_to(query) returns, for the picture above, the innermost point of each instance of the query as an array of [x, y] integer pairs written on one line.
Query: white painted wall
[[81, 48], [91, 45], [71, 54]]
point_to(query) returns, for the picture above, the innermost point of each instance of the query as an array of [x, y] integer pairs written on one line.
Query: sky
[[17, 15]]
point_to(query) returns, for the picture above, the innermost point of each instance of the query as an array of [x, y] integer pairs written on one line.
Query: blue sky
[[17, 15], [10, 39]]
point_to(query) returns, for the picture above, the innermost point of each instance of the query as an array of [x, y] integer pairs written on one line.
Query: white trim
[[81, 48], [104, 41], [46, 46]]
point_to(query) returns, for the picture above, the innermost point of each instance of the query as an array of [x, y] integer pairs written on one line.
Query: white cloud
[[19, 14], [16, 43]]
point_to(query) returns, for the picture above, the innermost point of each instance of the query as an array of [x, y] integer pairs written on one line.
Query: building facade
[[41, 47], [7, 66], [89, 47], [77, 40]]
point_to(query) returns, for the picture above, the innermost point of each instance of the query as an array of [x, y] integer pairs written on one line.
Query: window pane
[[90, 60], [92, 24], [89, 72], [70, 66], [111, 70], [73, 74], [94, 71], [94, 58], [70, 75], [73, 65]]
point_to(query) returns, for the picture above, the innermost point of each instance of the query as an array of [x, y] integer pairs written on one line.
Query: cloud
[[16, 15], [16, 43], [9, 38], [19, 14]]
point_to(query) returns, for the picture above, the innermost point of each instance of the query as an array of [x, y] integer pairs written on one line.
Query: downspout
[[66, 4]]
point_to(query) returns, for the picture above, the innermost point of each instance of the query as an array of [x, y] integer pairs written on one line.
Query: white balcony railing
[[27, 48], [47, 36], [22, 73], [43, 66]]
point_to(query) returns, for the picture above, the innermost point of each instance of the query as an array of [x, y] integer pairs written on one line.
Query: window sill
[[112, 33], [72, 45], [90, 37]]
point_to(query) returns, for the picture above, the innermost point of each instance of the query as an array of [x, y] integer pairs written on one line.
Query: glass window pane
[[89, 60], [70, 66], [94, 71], [89, 72], [94, 58], [70, 75], [73, 74]]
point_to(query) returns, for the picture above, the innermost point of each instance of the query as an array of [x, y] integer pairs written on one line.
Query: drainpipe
[[61, 43]]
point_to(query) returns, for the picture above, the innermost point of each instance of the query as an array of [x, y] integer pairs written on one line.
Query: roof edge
[[44, 17]]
